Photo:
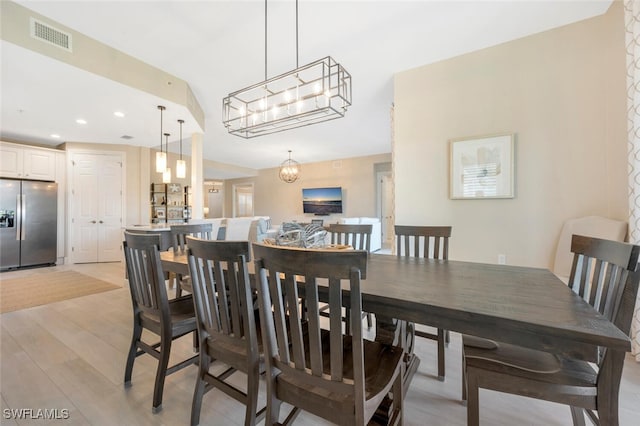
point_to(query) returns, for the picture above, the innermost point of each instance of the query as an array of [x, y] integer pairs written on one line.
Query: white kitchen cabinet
[[22, 162]]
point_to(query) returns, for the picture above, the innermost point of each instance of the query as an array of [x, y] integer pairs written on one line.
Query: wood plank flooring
[[71, 355]]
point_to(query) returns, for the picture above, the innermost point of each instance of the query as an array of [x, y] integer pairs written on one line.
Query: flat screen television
[[322, 201]]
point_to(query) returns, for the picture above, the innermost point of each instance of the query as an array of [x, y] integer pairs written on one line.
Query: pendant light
[[166, 174], [309, 94], [289, 170], [181, 165], [161, 157]]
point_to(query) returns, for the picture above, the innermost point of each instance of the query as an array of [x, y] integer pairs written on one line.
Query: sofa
[[376, 229]]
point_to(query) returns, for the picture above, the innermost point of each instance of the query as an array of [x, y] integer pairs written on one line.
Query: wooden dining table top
[[520, 305]]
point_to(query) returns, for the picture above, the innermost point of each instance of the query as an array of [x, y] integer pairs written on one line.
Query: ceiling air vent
[[48, 34]]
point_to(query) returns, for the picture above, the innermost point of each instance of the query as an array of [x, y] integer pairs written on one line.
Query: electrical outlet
[[502, 259]]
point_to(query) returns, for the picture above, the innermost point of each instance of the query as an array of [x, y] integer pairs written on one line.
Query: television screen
[[322, 201]]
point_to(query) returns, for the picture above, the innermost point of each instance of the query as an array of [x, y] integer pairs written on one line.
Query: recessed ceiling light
[[119, 114], [55, 136], [81, 121]]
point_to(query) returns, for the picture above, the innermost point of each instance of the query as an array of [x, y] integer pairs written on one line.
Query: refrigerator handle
[[18, 216], [23, 217]]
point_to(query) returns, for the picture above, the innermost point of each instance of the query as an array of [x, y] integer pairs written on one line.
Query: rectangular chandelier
[[313, 93]]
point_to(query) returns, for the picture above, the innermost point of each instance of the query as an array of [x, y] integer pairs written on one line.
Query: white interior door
[[385, 195], [110, 209], [96, 206], [243, 200]]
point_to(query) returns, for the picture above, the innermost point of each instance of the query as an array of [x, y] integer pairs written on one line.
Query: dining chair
[[359, 237], [430, 242], [153, 311], [179, 233], [605, 274], [340, 377], [226, 323]]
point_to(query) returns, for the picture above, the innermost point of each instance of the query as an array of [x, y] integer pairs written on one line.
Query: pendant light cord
[[180, 121], [297, 66], [265, 40]]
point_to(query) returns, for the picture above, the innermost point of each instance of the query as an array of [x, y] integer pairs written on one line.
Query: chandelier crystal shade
[[181, 165], [289, 170], [161, 157]]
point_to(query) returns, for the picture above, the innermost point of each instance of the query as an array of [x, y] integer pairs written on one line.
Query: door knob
[[93, 221], [101, 222]]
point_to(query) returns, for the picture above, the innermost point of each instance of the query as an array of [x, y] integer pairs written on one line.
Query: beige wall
[[562, 93], [283, 201]]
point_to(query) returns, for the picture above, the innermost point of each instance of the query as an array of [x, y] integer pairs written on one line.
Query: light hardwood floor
[[71, 355]]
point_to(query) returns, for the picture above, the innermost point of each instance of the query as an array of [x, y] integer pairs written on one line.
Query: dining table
[[520, 305]]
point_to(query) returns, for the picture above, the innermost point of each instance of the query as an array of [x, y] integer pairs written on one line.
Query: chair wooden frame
[[359, 237], [227, 329], [605, 274], [341, 378], [179, 234], [152, 310], [431, 242]]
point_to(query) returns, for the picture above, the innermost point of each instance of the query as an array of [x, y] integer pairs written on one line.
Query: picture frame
[[482, 167], [160, 214]]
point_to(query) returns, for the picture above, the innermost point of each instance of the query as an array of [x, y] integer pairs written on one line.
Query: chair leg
[[473, 404], [441, 343], [178, 279], [577, 415], [161, 373], [131, 357], [253, 382], [198, 392], [464, 380]]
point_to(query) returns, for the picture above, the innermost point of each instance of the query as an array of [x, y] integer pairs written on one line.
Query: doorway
[[96, 203], [385, 207], [243, 200]]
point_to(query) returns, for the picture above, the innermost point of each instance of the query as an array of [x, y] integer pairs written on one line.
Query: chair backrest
[[294, 339], [222, 292], [145, 275], [602, 272], [179, 233], [431, 242], [357, 236], [590, 226]]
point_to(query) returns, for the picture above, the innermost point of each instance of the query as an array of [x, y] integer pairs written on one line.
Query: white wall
[[563, 93]]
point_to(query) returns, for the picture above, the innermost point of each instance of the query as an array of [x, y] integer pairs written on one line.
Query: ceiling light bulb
[[161, 161], [119, 114], [181, 169], [81, 121], [275, 111], [327, 94], [287, 96], [166, 176], [242, 112], [55, 136], [317, 88], [263, 104], [299, 105]]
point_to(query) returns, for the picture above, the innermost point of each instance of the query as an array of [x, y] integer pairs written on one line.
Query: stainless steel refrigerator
[[28, 223]]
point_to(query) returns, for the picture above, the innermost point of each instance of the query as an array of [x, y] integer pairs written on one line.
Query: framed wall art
[[482, 167]]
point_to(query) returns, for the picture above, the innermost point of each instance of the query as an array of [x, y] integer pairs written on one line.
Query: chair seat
[[531, 364], [380, 361], [510, 356], [182, 317]]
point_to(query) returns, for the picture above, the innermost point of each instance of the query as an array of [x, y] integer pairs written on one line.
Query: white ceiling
[[218, 47]]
